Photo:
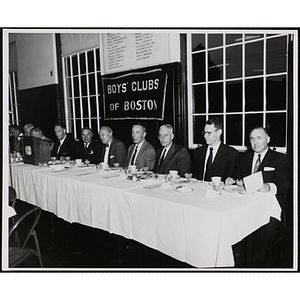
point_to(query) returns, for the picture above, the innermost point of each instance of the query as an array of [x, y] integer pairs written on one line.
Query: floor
[[66, 245]]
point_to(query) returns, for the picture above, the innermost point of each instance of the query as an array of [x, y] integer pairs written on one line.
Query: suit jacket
[[177, 158], [117, 153], [92, 153], [279, 176], [226, 163], [15, 144], [145, 157], [65, 149]]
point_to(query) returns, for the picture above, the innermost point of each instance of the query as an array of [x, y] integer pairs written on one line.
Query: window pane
[[95, 129], [99, 82], [83, 85], [76, 86], [74, 65], [92, 84], [249, 37], [215, 64], [254, 58], [233, 38], [98, 59], [93, 106], [198, 42], [234, 62], [199, 98], [198, 123], [276, 93], [234, 130], [82, 63], [276, 55], [198, 67], [234, 96], [254, 94], [276, 124], [85, 107], [77, 108], [252, 121], [215, 97], [91, 65], [215, 40], [78, 128]]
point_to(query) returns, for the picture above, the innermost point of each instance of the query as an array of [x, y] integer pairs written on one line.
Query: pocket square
[[269, 169], [91, 152], [112, 156]]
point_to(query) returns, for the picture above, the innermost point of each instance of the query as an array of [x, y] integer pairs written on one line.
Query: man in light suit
[[62, 146], [215, 158], [171, 156], [88, 148], [113, 150], [141, 153], [275, 169]]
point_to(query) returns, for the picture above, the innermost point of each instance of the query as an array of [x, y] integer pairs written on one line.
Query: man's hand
[[229, 181], [265, 188]]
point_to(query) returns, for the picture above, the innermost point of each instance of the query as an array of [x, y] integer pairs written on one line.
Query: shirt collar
[[262, 154]]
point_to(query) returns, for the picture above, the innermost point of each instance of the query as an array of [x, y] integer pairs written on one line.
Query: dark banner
[[139, 95]]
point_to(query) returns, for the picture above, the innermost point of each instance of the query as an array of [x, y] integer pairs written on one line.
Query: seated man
[[38, 133], [215, 158], [27, 128], [113, 150], [171, 156], [276, 178], [62, 146], [15, 143], [88, 148], [141, 153]]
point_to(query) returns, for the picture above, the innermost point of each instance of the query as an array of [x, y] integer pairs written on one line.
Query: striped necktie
[[134, 155], [257, 164], [161, 159]]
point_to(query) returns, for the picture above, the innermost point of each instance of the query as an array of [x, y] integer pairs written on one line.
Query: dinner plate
[[234, 189], [184, 180], [184, 189]]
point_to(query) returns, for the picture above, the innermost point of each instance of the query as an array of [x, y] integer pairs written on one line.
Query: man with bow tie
[[113, 150], [88, 148]]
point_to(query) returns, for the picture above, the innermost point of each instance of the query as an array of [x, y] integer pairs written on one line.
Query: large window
[[14, 116], [82, 90], [241, 78]]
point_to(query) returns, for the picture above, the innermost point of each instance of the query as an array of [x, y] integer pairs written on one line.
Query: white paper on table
[[253, 182]]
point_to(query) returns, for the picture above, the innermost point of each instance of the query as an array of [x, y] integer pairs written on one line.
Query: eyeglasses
[[208, 132]]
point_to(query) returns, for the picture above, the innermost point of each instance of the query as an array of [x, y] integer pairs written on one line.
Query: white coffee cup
[[173, 174], [216, 180], [78, 161]]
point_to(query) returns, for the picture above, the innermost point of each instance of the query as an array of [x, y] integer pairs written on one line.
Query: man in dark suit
[[275, 169], [15, 139], [113, 150], [141, 153], [62, 147], [171, 156], [88, 148], [215, 158]]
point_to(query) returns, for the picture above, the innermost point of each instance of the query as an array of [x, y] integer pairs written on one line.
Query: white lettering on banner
[[117, 88], [145, 85], [114, 106], [150, 104]]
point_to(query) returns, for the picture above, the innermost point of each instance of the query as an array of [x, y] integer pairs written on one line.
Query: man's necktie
[[104, 151], [256, 166], [85, 148], [161, 159], [58, 149], [208, 164], [134, 155]]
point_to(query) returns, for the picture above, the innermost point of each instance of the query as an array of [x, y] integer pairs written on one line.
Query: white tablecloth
[[190, 227]]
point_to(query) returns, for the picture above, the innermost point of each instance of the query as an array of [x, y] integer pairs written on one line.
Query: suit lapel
[[265, 161], [170, 155]]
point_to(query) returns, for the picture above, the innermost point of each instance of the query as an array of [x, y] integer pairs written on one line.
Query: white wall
[[36, 59]]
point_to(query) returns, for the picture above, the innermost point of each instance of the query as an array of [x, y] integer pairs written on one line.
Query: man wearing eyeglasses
[[171, 156], [215, 158]]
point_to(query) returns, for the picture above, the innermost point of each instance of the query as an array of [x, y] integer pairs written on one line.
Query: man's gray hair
[[167, 126]]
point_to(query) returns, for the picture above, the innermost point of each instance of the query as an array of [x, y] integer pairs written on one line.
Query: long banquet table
[[198, 228]]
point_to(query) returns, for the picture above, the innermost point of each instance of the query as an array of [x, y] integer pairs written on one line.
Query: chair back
[[12, 197]]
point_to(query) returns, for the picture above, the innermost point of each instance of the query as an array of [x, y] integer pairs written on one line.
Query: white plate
[[184, 180], [184, 189]]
